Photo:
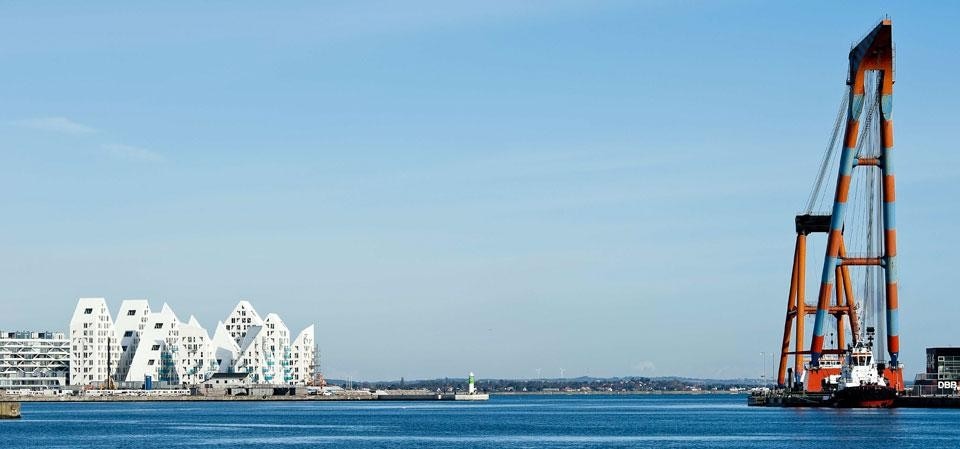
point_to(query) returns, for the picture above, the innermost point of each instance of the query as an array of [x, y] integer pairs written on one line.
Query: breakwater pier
[[250, 395]]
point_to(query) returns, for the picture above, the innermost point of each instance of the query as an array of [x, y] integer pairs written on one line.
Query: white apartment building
[[240, 320], [225, 349], [159, 347], [156, 354], [276, 348], [131, 319], [252, 358], [195, 359], [302, 357], [94, 352], [33, 359]]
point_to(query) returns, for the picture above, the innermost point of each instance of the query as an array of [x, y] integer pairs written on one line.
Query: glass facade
[[942, 374], [943, 363]]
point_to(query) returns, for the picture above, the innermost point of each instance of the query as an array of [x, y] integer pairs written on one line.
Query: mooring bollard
[[9, 410]]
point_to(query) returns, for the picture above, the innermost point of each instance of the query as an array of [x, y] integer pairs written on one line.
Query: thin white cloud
[[132, 153], [55, 124], [644, 366]]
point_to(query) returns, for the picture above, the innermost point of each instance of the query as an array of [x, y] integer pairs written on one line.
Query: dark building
[[943, 371]]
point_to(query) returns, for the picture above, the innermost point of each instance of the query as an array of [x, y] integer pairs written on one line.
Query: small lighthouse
[[472, 394]]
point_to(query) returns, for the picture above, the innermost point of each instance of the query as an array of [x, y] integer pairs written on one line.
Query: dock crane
[[860, 227]]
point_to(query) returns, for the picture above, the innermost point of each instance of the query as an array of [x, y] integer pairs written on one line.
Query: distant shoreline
[[335, 398], [608, 393]]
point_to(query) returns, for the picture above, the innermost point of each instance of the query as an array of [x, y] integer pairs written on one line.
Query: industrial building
[[942, 375], [33, 359], [143, 346]]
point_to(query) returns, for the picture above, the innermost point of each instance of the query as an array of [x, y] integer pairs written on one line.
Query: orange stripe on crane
[[889, 192], [836, 239], [886, 128], [850, 140], [843, 189], [893, 300], [891, 239]]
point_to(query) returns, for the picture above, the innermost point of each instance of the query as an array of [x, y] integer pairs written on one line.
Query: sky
[[501, 187]]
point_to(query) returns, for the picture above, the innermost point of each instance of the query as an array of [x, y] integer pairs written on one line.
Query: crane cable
[[828, 153]]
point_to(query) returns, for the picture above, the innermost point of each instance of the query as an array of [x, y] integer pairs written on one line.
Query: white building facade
[[240, 320], [276, 348], [302, 357], [131, 320], [157, 353], [225, 349], [34, 360], [196, 360], [94, 352], [157, 348]]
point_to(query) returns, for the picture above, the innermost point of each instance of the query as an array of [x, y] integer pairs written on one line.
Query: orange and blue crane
[[866, 220]]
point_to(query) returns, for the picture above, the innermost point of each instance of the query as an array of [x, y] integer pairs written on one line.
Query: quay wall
[[196, 398]]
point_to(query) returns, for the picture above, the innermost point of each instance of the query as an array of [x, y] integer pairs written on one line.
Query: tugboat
[[861, 384]]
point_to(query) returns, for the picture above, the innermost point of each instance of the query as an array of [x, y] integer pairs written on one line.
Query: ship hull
[[865, 396]]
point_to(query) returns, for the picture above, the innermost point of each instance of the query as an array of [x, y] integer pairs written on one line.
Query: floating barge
[[789, 399], [803, 399]]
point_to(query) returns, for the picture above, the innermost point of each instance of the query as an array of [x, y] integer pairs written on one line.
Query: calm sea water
[[703, 421]]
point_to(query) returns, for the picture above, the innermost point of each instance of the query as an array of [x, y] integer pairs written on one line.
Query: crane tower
[[858, 290]]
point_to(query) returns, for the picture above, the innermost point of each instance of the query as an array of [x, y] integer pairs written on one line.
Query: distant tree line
[[579, 384]]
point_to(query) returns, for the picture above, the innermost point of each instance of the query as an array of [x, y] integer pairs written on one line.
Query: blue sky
[[605, 187]]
